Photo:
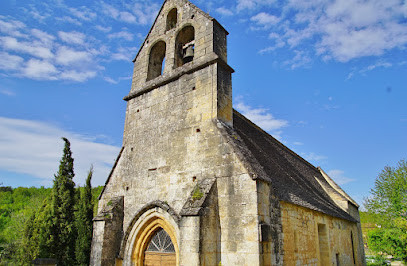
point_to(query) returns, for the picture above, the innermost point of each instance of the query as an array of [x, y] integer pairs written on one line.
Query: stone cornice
[[177, 73]]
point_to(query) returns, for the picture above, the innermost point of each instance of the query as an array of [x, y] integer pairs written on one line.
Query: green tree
[[388, 205], [38, 238], [16, 207], [63, 231], [84, 223]]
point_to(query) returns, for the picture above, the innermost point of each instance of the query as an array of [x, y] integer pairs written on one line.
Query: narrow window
[[295, 242], [323, 244], [337, 259], [156, 60], [172, 19], [185, 46], [353, 248]]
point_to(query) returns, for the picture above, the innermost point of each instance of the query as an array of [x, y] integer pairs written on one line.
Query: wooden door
[[160, 251]]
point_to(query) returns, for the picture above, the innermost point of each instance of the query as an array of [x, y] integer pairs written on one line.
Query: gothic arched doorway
[[155, 241], [160, 251]]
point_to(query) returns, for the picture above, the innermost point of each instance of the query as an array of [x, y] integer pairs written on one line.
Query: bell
[[189, 54]]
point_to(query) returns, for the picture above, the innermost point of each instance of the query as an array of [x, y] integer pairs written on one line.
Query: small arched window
[[171, 19], [185, 46], [156, 60]]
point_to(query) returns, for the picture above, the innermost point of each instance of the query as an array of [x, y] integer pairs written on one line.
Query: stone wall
[[302, 242]]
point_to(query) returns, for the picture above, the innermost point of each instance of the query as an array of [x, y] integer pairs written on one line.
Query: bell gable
[[182, 35]]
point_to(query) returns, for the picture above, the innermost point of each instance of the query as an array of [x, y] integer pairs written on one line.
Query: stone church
[[197, 183]]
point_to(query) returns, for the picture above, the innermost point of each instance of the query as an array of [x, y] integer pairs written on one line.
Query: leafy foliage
[[389, 196], [48, 223], [388, 208], [84, 224], [377, 260], [16, 208]]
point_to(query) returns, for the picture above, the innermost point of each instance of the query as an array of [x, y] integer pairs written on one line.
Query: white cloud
[[7, 92], [252, 4], [224, 11], [263, 118], [119, 15], [341, 30], [124, 53], [267, 49], [39, 69], [69, 20], [72, 37], [83, 13], [121, 35], [36, 49], [137, 13], [37, 15], [127, 17], [278, 43], [79, 76], [113, 81], [378, 64], [43, 37], [110, 80], [103, 29], [35, 148], [313, 157], [338, 177], [301, 59], [67, 56], [10, 62], [11, 27], [265, 19], [145, 12], [36, 54], [110, 10]]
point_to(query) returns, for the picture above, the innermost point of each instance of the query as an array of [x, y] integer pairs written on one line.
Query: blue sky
[[327, 78]]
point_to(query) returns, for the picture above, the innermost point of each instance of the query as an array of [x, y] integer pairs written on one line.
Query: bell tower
[[181, 92], [185, 49]]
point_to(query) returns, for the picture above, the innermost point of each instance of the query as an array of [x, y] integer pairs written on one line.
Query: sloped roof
[[292, 178]]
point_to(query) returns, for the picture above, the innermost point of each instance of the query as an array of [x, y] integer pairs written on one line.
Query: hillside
[[16, 207]]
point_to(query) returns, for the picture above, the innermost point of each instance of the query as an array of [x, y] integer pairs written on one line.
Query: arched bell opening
[[172, 19], [185, 46], [156, 60]]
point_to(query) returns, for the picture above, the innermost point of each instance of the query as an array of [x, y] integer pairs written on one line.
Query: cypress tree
[[84, 223], [63, 231]]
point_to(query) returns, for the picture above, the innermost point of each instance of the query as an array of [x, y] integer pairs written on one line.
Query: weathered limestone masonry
[[196, 183]]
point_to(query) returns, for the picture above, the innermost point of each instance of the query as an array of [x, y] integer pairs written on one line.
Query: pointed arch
[[144, 228]]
